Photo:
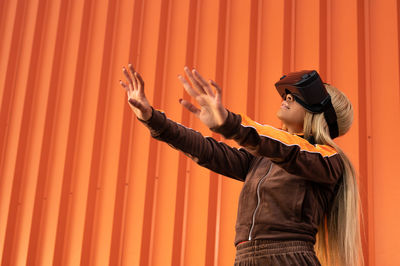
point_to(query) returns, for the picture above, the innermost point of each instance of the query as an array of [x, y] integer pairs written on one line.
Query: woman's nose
[[289, 97]]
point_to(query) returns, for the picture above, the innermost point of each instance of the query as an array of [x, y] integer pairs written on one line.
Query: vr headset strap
[[331, 119], [329, 113]]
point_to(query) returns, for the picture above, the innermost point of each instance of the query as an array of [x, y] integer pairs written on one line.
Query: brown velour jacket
[[289, 184]]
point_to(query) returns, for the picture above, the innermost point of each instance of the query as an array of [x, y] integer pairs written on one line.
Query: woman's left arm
[[319, 163]]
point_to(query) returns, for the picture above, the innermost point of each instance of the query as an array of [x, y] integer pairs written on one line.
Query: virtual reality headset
[[308, 90]]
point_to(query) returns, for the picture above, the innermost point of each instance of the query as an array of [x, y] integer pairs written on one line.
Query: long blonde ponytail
[[338, 238]]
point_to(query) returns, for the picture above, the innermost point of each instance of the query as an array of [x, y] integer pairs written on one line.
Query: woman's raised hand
[[134, 87], [212, 113]]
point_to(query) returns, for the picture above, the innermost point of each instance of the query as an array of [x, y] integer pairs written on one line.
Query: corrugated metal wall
[[82, 183]]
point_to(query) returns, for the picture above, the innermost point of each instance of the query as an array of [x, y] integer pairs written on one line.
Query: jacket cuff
[[156, 123], [230, 127]]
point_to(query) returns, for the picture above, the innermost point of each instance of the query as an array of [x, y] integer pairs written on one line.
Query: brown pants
[[276, 252]]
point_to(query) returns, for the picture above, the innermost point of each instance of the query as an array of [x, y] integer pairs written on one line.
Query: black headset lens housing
[[309, 91]]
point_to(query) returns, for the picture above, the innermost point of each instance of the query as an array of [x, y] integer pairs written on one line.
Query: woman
[[297, 181]]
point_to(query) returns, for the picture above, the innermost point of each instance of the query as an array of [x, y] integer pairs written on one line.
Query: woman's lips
[[285, 105]]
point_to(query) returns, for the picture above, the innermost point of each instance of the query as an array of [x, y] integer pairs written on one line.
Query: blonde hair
[[338, 238]]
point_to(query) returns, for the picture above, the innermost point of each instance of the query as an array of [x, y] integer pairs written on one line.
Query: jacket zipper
[[258, 201]]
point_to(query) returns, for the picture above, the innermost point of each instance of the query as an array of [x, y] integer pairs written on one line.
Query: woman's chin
[[280, 115]]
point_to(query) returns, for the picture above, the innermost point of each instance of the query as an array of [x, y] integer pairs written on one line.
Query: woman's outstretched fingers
[[134, 86], [204, 83], [190, 107], [128, 77], [218, 89], [123, 84], [192, 79], [187, 87], [130, 66], [132, 72], [199, 78], [141, 82]]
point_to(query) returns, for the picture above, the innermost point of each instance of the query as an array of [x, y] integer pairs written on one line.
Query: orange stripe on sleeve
[[287, 138]]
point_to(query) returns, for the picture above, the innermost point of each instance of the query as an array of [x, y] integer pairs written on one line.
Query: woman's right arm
[[206, 151]]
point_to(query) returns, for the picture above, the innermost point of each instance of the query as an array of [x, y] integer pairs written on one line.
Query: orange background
[[82, 183]]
